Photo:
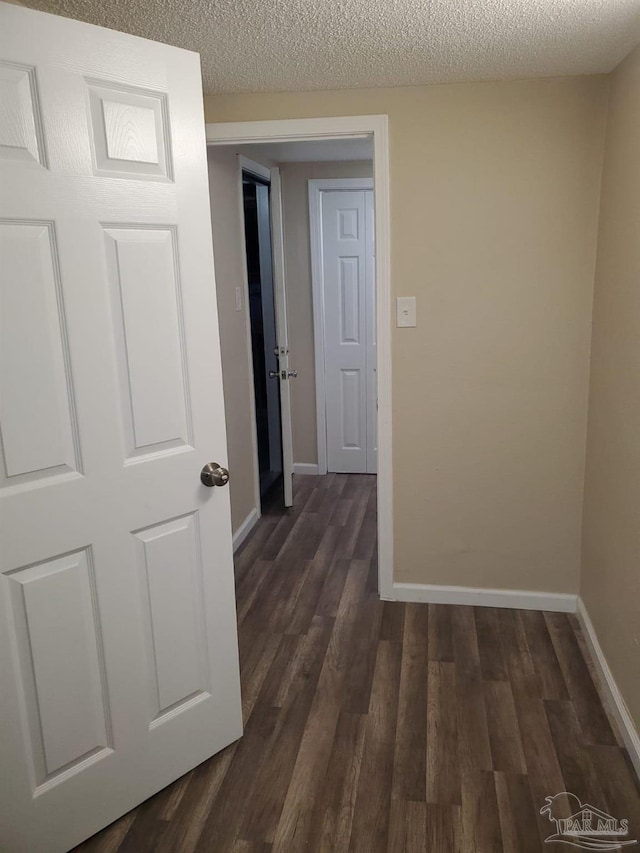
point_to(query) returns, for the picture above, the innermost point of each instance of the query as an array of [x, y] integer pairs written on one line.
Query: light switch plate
[[238, 299], [405, 312]]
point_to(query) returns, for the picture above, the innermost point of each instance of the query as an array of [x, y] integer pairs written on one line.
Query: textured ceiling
[[289, 45]]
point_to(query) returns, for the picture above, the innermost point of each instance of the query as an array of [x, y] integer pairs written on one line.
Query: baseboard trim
[[512, 598], [245, 529], [305, 468], [612, 695]]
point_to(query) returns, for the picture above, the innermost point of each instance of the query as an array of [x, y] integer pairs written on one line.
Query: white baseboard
[[612, 695], [305, 468], [245, 528], [513, 598]]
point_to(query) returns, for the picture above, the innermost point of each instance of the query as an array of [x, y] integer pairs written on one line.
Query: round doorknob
[[214, 475]]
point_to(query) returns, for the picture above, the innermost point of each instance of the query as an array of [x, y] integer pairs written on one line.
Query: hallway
[[377, 726]]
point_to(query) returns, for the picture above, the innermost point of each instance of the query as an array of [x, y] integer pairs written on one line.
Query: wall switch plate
[[405, 312], [238, 299]]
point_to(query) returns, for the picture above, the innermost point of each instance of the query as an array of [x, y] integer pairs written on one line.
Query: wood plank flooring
[[375, 726]]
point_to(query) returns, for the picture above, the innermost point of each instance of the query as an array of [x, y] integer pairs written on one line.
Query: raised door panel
[[37, 409], [149, 332], [170, 574], [351, 433], [58, 651], [21, 136], [348, 223], [349, 286], [130, 132]]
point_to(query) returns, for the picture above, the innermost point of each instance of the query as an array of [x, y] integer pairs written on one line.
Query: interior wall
[[494, 206], [611, 527], [295, 204]]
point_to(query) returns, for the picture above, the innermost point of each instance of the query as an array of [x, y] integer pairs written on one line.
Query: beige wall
[[228, 252], [611, 531], [295, 203], [494, 195]]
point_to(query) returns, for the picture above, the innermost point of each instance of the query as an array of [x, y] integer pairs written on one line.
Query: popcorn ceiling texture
[[297, 45]]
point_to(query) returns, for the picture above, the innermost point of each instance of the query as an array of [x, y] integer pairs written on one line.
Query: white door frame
[[316, 187], [341, 127]]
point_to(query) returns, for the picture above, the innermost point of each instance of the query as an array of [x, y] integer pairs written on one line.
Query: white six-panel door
[[349, 330], [118, 648]]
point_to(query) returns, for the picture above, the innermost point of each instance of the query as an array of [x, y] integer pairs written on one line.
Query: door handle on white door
[[283, 374], [214, 475]]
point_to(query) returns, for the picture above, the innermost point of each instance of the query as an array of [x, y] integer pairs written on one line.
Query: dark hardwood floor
[[374, 726]]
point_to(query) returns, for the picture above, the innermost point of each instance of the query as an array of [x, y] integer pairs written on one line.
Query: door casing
[[351, 127]]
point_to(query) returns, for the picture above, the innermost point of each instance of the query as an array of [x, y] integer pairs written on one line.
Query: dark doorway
[[262, 314]]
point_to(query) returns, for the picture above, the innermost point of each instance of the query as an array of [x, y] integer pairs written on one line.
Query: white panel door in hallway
[[118, 647], [349, 330]]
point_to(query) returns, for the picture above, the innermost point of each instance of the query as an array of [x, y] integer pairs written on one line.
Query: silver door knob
[[273, 374], [214, 475], [292, 374]]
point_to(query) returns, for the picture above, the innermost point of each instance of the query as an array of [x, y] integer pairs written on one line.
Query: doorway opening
[[262, 321], [298, 154]]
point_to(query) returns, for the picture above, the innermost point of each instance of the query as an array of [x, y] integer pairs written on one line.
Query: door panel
[[118, 645], [349, 284], [347, 248], [20, 120], [351, 432], [142, 271], [171, 576], [130, 136], [37, 411], [59, 652]]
